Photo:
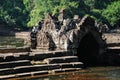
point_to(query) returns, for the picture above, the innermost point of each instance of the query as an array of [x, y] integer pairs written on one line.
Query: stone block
[[42, 56], [72, 65], [78, 65], [66, 65], [65, 59], [56, 71], [9, 58], [3, 77], [6, 71], [23, 74], [53, 66], [22, 56], [59, 54], [39, 73], [70, 69], [31, 68], [23, 69]]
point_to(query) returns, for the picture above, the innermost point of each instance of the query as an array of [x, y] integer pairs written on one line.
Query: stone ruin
[[80, 36], [68, 35]]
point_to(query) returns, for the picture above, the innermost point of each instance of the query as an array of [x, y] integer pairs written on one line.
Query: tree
[[28, 13], [101, 4], [90, 3], [41, 7], [112, 13], [13, 12]]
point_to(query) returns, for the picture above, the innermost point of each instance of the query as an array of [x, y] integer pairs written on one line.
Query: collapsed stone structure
[[80, 36], [69, 35]]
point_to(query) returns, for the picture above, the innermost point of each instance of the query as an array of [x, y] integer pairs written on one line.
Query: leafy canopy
[[13, 12], [42, 7], [112, 13], [27, 13]]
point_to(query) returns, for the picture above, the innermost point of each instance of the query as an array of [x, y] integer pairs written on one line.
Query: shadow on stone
[[88, 50]]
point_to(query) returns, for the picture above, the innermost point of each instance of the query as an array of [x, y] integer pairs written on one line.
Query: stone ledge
[[15, 50], [65, 59]]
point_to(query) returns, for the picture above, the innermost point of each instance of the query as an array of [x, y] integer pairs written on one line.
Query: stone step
[[45, 54], [6, 71], [113, 50], [64, 59], [12, 64], [32, 68], [23, 74], [5, 57], [63, 70], [39, 56], [22, 56], [20, 64], [45, 67], [72, 65], [34, 73], [14, 49], [39, 73], [62, 65], [3, 77], [71, 69]]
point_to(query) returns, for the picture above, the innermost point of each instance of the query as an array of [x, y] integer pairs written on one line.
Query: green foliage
[[13, 12], [96, 13], [112, 13], [27, 13], [28, 4], [106, 11], [42, 7], [90, 3], [101, 4]]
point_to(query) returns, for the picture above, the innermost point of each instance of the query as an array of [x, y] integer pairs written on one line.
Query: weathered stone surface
[[65, 59], [62, 15], [112, 38], [69, 35], [78, 34], [6, 71], [47, 35], [72, 65], [7, 76], [15, 50], [14, 64]]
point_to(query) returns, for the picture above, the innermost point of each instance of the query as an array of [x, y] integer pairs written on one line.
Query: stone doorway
[[88, 50]]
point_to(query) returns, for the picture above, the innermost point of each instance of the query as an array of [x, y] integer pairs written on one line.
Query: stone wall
[[24, 35], [112, 39]]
